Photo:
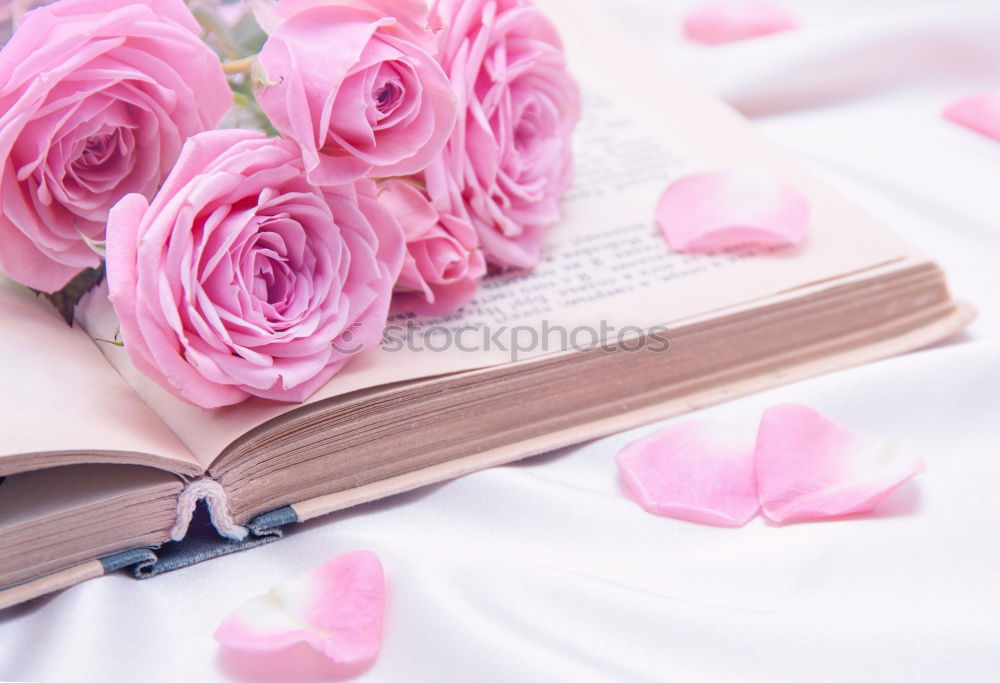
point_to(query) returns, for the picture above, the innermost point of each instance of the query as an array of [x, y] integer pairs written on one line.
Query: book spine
[[214, 496]]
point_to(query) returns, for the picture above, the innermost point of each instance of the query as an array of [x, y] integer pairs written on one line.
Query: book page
[[31, 496], [605, 268], [60, 398], [55, 518]]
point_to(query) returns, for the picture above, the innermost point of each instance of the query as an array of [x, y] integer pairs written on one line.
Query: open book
[[611, 331]]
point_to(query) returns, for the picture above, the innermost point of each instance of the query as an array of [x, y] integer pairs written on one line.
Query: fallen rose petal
[[980, 113], [811, 468], [714, 211], [336, 609], [701, 471], [725, 22]]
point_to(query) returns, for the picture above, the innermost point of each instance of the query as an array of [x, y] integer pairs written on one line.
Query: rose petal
[[725, 22], [811, 468], [408, 204], [336, 609], [701, 471], [715, 211], [980, 113]]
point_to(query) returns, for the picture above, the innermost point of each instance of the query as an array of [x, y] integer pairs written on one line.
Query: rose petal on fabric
[[980, 113], [809, 467], [700, 471], [336, 609], [719, 210], [725, 22]]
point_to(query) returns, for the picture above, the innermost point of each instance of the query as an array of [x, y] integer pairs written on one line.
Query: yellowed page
[[74, 488], [55, 518], [60, 398], [605, 266]]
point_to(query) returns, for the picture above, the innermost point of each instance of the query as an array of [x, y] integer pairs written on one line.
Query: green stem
[[238, 66]]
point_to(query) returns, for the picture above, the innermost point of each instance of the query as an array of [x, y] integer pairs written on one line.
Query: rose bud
[[443, 263], [355, 87]]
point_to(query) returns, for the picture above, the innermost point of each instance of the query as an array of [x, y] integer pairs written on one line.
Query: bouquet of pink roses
[[399, 152]]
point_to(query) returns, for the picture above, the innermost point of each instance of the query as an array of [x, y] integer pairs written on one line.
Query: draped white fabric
[[544, 571]]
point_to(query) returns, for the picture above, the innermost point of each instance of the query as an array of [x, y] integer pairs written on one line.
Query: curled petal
[[336, 609], [415, 213], [701, 471], [728, 21], [980, 113], [714, 211], [265, 15], [409, 16], [811, 468]]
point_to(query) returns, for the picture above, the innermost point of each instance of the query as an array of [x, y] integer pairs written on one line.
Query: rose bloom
[[96, 99], [518, 106], [242, 279], [443, 263], [353, 84]]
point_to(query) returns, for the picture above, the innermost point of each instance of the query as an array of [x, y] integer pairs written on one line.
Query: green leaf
[[113, 342], [97, 246], [66, 299]]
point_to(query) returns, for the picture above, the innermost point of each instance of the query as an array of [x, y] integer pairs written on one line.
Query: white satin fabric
[[544, 571]]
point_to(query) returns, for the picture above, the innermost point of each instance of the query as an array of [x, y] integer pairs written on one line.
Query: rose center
[[272, 277], [102, 161], [526, 135], [96, 150], [445, 259], [269, 286], [387, 97]]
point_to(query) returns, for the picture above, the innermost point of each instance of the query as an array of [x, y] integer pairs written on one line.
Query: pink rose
[[242, 278], [96, 99], [352, 83], [518, 106], [443, 263]]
